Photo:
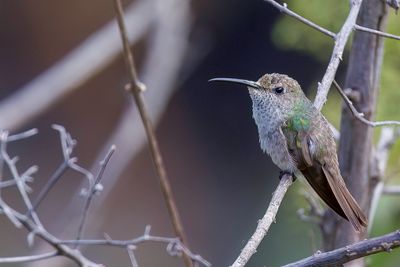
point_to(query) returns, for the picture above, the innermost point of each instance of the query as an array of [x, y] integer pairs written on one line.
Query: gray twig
[[67, 145], [39, 257], [383, 34], [174, 246], [360, 116], [264, 224], [283, 8], [391, 190], [96, 187]]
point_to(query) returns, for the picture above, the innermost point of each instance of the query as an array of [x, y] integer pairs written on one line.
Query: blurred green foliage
[[290, 34]]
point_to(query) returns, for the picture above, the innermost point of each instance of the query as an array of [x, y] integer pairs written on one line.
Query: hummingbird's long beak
[[233, 80]]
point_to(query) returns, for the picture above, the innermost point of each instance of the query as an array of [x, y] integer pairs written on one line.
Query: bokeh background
[[220, 177]]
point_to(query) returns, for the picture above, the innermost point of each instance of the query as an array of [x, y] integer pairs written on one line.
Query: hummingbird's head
[[275, 97]]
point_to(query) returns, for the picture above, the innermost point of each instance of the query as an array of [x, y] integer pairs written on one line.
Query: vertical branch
[[136, 87], [356, 137]]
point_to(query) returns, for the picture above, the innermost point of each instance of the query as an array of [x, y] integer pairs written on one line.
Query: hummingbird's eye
[[279, 90]]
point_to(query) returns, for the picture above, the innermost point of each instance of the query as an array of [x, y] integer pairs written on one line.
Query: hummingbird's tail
[[347, 203]]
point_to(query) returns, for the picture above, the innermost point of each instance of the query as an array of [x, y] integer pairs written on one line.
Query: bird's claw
[[282, 173]]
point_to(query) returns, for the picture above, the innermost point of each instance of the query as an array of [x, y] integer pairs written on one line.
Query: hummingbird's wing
[[314, 151]]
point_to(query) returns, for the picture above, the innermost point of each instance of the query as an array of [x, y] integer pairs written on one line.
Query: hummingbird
[[299, 140]]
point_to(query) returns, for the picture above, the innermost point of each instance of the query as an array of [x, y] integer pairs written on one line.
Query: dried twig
[[174, 245], [283, 8], [67, 145], [391, 190], [360, 116], [379, 162], [63, 247], [96, 187], [360, 249], [136, 87], [265, 222], [39, 257], [32, 222], [383, 34]]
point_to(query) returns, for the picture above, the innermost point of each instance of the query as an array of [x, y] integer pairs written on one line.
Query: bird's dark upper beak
[[251, 84]]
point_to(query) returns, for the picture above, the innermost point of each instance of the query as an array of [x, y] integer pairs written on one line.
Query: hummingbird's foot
[[282, 173]]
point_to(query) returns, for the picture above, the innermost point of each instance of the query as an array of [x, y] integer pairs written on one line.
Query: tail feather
[[346, 201]]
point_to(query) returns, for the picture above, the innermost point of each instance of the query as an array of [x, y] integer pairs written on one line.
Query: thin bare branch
[[391, 190], [136, 87], [357, 250], [174, 245], [67, 145], [360, 116], [283, 8], [132, 257], [23, 135], [94, 189], [383, 34], [264, 224], [39, 257], [340, 43]]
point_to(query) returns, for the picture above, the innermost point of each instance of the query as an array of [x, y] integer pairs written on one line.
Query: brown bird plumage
[[298, 139]]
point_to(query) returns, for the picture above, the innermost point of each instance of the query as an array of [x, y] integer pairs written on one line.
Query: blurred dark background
[[221, 179]]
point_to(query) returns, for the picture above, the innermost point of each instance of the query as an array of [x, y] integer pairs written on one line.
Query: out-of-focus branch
[[391, 190], [63, 247], [136, 89], [360, 116], [348, 253], [32, 222], [174, 245], [264, 224], [67, 146], [78, 66], [95, 188], [39, 257], [379, 161]]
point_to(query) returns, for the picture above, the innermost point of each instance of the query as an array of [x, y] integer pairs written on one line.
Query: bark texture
[[355, 147]]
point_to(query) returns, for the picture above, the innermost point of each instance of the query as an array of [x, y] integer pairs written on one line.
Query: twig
[[283, 8], [94, 189], [19, 181], [340, 43], [391, 190], [360, 116], [136, 87], [132, 257], [357, 250], [67, 145], [383, 34], [32, 222], [264, 224], [174, 245], [77, 67], [39, 257]]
